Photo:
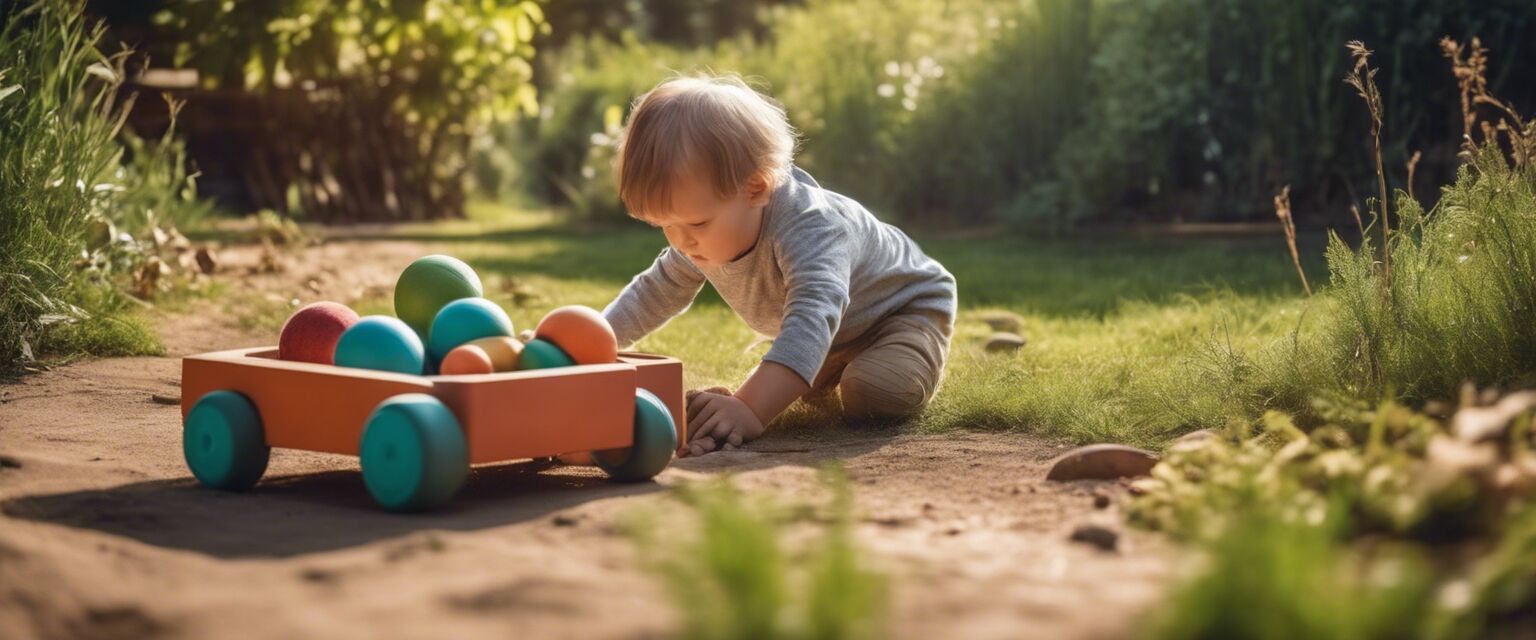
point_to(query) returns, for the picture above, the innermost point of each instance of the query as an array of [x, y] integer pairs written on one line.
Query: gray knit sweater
[[824, 270]]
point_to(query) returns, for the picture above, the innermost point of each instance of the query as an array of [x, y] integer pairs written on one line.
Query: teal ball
[[381, 343], [428, 284], [464, 320], [543, 354]]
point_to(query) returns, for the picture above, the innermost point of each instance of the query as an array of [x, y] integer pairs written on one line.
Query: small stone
[[1102, 537], [1102, 462], [1002, 321], [1197, 436], [525, 335], [206, 263], [317, 575], [563, 520], [1002, 342], [164, 399], [1101, 500]]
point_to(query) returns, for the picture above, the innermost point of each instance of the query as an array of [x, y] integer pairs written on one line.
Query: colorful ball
[[581, 332], [486, 355], [428, 284], [310, 334], [504, 351], [382, 343], [466, 359], [464, 320], [543, 354]]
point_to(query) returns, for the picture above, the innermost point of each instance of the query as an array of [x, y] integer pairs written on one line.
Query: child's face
[[709, 229]]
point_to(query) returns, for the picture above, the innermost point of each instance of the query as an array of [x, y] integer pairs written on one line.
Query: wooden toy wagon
[[416, 436]]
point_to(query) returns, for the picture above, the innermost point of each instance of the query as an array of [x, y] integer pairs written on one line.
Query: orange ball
[[582, 333], [466, 359], [486, 355]]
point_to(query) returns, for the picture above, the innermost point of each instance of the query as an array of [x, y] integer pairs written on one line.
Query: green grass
[[1271, 578], [1132, 339], [1119, 327], [67, 190], [738, 565]]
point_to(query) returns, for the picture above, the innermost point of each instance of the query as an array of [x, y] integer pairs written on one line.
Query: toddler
[[852, 303]]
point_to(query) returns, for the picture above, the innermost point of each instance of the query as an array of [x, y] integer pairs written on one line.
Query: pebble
[[1102, 462], [1102, 537], [1002, 321], [1003, 341], [1101, 499]]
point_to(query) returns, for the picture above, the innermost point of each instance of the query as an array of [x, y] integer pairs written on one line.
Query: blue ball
[[382, 343], [464, 320]]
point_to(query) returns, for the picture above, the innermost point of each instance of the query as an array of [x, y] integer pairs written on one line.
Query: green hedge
[[1051, 112]]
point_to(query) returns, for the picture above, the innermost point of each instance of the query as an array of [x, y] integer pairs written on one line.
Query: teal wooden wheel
[[413, 453], [223, 441], [655, 441]]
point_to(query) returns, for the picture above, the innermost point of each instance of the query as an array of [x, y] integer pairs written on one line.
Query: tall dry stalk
[[1288, 223], [1413, 165], [1470, 66], [1363, 78]]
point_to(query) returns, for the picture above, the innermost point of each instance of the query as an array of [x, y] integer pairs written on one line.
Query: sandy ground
[[103, 533]]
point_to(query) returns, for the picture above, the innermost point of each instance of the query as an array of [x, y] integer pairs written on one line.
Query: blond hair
[[714, 124]]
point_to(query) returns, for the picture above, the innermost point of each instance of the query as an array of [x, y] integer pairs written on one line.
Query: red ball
[[310, 334]]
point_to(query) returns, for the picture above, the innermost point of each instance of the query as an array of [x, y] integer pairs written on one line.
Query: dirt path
[[103, 534]]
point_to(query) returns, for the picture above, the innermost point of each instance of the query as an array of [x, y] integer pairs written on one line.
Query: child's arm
[[817, 265], [653, 297]]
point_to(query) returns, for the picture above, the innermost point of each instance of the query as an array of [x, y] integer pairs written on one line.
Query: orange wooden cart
[[417, 435]]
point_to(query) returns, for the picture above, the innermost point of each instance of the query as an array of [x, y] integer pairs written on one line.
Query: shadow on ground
[[308, 513], [300, 514]]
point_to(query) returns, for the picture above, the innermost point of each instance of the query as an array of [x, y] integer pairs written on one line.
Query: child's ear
[[758, 189]]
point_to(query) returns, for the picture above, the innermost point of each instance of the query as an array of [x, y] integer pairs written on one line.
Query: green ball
[[381, 343], [543, 354], [429, 284], [464, 320]]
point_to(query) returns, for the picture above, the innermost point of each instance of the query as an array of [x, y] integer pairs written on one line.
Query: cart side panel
[[302, 406], [663, 376], [530, 414]]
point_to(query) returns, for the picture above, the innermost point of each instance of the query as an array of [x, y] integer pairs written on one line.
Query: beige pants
[[890, 372]]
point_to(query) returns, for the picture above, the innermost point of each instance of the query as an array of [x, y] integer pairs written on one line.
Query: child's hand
[[722, 420]]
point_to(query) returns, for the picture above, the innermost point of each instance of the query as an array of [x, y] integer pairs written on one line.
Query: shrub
[[66, 191], [367, 107], [1050, 112], [1203, 109]]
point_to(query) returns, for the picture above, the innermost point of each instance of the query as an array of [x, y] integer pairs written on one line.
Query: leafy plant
[[1294, 519], [71, 202], [375, 100]]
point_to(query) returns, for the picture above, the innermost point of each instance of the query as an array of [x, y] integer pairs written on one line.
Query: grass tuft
[[736, 576]]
